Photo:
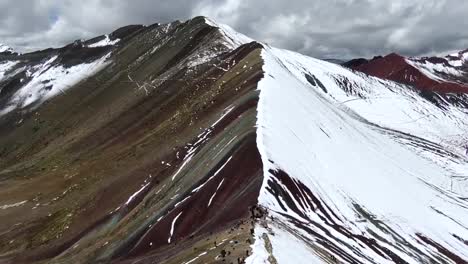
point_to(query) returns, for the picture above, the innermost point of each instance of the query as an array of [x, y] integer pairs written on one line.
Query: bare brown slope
[[173, 138]]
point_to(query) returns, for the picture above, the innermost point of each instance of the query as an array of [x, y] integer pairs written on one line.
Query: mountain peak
[[393, 55], [233, 37]]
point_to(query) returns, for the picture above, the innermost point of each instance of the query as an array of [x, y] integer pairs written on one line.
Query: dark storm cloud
[[333, 28]]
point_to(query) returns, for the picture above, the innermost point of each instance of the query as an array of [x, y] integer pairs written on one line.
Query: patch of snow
[[455, 63], [6, 206], [173, 227], [5, 67], [259, 252], [105, 42], [49, 80], [286, 248], [195, 258], [214, 194], [436, 71], [136, 193], [183, 200], [214, 175], [200, 58], [225, 113], [186, 161], [465, 57], [5, 48]]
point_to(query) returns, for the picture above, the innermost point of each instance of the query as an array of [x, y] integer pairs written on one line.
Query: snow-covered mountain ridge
[[353, 170]]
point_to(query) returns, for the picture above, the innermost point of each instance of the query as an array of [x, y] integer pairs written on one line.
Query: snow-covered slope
[[46, 80], [5, 48], [5, 67], [106, 41], [458, 59], [384, 103], [440, 71], [358, 169]]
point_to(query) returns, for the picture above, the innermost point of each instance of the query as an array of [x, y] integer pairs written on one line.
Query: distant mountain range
[[445, 75]]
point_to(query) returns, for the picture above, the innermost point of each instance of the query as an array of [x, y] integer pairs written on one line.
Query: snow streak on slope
[[5, 67], [49, 79], [352, 171], [105, 42]]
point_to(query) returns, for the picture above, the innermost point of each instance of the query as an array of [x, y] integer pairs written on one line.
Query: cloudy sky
[[321, 28]]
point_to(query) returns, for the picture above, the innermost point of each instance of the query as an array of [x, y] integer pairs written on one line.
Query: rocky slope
[[188, 142]]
